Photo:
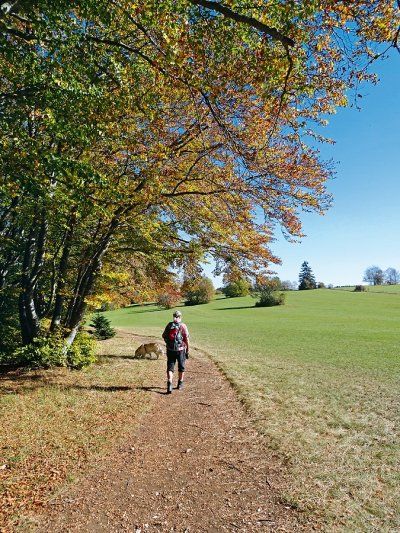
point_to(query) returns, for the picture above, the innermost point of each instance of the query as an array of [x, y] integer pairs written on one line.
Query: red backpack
[[174, 336]]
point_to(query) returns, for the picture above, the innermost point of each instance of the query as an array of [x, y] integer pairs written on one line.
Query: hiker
[[176, 337]]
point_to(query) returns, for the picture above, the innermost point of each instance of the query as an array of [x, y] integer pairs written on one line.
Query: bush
[[237, 288], [82, 352], [269, 299], [102, 327], [268, 293], [43, 352], [201, 292], [360, 288]]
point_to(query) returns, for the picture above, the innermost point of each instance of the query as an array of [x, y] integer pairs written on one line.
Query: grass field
[[321, 378], [388, 289]]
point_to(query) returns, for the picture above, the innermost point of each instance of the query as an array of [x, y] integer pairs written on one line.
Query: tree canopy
[[159, 131]]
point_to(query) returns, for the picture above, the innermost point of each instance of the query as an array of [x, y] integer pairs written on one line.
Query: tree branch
[[250, 21]]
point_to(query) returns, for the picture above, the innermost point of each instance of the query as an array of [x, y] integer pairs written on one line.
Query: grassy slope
[[321, 376], [389, 289]]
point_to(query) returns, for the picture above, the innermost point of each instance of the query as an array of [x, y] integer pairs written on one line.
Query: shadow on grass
[[137, 308], [231, 308], [20, 384], [117, 356]]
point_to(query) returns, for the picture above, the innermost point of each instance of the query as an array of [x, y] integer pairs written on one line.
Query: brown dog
[[149, 350]]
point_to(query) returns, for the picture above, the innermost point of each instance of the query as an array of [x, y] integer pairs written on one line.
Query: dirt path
[[195, 465]]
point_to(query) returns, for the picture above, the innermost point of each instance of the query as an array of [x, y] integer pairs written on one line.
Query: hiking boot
[[169, 387], [180, 385]]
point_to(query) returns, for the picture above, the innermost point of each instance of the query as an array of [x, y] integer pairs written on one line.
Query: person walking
[[176, 337]]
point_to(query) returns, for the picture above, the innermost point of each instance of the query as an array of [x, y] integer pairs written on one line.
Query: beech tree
[[156, 130]]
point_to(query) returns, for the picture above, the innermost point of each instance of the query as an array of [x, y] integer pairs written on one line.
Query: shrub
[[268, 294], [43, 352], [82, 352], [102, 327], [360, 288], [200, 292], [237, 288], [321, 285], [269, 299]]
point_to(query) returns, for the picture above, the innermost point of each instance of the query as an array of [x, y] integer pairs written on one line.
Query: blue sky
[[362, 228]]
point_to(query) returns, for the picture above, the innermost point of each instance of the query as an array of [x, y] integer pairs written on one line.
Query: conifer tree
[[102, 326], [306, 277]]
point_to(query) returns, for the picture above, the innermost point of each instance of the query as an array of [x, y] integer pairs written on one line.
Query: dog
[[149, 349]]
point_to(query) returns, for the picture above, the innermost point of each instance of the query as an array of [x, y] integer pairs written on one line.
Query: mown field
[[388, 289], [321, 378]]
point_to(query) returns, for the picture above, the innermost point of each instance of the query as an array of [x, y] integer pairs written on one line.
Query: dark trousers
[[176, 356]]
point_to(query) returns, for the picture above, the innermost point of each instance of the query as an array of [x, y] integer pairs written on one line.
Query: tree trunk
[[87, 279], [28, 316], [62, 273]]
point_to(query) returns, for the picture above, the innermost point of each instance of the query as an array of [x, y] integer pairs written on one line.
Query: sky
[[362, 228]]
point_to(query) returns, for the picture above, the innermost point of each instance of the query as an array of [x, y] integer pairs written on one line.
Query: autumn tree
[[200, 291], [267, 290], [157, 131]]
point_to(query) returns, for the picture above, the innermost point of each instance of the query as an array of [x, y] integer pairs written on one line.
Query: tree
[[240, 287], [126, 126], [373, 275], [306, 277], [201, 291], [235, 282], [288, 285], [168, 296], [267, 291], [102, 327], [391, 276]]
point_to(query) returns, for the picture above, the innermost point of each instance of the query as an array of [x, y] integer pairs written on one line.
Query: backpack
[[174, 338]]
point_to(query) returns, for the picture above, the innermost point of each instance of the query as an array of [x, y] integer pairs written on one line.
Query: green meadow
[[320, 377]]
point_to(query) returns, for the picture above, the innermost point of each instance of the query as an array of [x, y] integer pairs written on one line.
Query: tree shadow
[[133, 357], [232, 308], [22, 383], [136, 308]]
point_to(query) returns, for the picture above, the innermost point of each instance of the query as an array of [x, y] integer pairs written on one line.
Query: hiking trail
[[194, 463]]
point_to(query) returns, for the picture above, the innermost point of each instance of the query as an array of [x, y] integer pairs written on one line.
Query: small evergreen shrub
[[102, 327], [82, 352]]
